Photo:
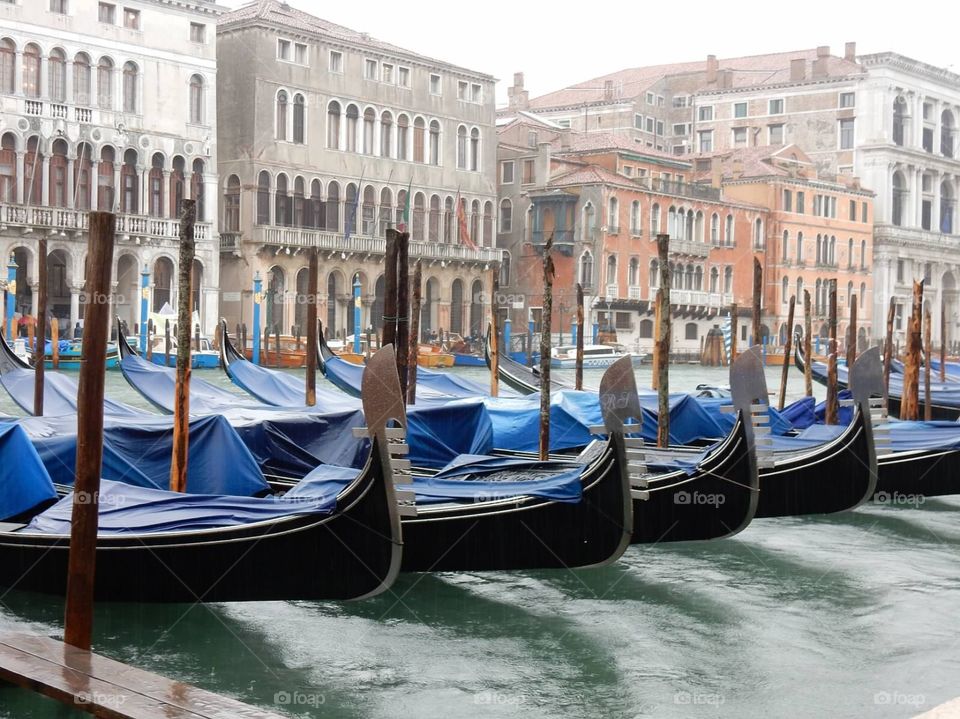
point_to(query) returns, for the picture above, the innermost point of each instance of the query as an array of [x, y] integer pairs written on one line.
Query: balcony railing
[[57, 219], [689, 247], [696, 298], [359, 244], [633, 292], [613, 291], [560, 237], [683, 189]]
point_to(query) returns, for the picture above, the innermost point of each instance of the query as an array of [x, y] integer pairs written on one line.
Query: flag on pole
[[462, 221], [405, 223], [351, 219]]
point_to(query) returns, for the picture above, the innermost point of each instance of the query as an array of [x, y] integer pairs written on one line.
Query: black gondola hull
[[927, 473]]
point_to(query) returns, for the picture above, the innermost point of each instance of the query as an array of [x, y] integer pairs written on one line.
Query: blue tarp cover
[[126, 509], [283, 389], [24, 483], [59, 394], [946, 394]]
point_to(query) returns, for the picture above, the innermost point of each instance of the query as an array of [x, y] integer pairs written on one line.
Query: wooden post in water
[[40, 366], [852, 334], [150, 331], [276, 344], [78, 619], [166, 343], [888, 351], [734, 331], [927, 356], [266, 347], [655, 376], [313, 272], [494, 346], [807, 346], [31, 323], [831, 414], [757, 300], [663, 344], [548, 275], [196, 338], [389, 331], [578, 376], [786, 352], [403, 309], [909, 403], [181, 396], [414, 334], [943, 340]]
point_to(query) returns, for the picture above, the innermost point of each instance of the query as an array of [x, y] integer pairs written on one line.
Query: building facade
[[323, 133], [108, 106]]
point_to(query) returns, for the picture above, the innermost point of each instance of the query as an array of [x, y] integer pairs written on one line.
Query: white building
[[108, 105], [907, 152]]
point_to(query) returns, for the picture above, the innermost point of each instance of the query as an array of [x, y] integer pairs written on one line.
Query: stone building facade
[[323, 133], [109, 106]]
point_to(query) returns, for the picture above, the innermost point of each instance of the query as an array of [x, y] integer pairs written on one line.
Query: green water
[[853, 615]]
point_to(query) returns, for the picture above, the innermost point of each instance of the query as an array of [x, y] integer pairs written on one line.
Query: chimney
[[737, 168], [564, 140], [608, 89], [712, 67], [820, 69], [725, 79], [798, 70], [544, 152], [850, 52], [518, 98], [823, 51], [716, 172]]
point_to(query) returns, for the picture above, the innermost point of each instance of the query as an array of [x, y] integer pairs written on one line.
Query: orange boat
[[293, 352], [433, 357]]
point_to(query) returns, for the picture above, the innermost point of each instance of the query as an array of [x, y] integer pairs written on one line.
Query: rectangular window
[[680, 129], [853, 210], [705, 113], [300, 53], [660, 127], [928, 139], [775, 134], [531, 138], [58, 6], [462, 90], [506, 172], [848, 99], [706, 140], [863, 212], [564, 123], [131, 18], [651, 99], [283, 49], [846, 134], [739, 109], [680, 101], [650, 124], [436, 86], [775, 107], [370, 69], [108, 13], [638, 121], [386, 73], [899, 270], [739, 137], [336, 61], [787, 201], [403, 76], [198, 33], [628, 171], [476, 93], [800, 198], [623, 320], [528, 172]]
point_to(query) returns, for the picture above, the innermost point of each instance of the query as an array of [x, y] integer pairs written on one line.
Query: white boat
[[565, 356]]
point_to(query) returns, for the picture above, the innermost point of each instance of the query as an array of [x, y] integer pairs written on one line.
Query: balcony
[[296, 237], [693, 298], [562, 240], [633, 292], [128, 227], [689, 248], [613, 290], [681, 189]]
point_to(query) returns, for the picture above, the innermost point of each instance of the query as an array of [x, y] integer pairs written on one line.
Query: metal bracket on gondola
[[598, 429], [640, 494], [406, 503]]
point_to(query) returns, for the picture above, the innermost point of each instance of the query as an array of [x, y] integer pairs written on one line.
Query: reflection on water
[[845, 616]]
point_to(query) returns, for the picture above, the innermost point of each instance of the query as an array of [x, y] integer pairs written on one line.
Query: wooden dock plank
[[108, 688]]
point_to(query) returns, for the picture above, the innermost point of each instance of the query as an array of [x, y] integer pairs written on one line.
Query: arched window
[[833, 250], [196, 100], [81, 78], [162, 283], [613, 215], [177, 187], [654, 273], [129, 183], [8, 66], [419, 139], [401, 204], [758, 239], [333, 125], [672, 223], [131, 79], [728, 236], [589, 220], [586, 269], [59, 185], [419, 207], [333, 207], [82, 180], [281, 122], [456, 306], [33, 172], [728, 279], [818, 298], [369, 120], [690, 226], [386, 134], [819, 250], [799, 289], [506, 216], [646, 329], [690, 331], [799, 249], [863, 292], [231, 205], [698, 278], [105, 83], [434, 142], [714, 280], [784, 289], [475, 221], [276, 289], [899, 120], [475, 150], [448, 219], [948, 207], [505, 270], [299, 119], [715, 229], [299, 202], [57, 73], [899, 194], [461, 148], [368, 210], [633, 273], [785, 246], [635, 217], [403, 134], [156, 186], [353, 119], [850, 296], [698, 227], [488, 224], [350, 210], [433, 226], [863, 254], [654, 219], [263, 198], [8, 167], [31, 71], [386, 211], [947, 133], [850, 253], [317, 209]]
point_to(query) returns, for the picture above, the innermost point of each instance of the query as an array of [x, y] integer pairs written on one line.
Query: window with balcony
[[333, 125], [31, 71], [613, 215], [8, 63], [299, 119], [635, 218], [728, 230]]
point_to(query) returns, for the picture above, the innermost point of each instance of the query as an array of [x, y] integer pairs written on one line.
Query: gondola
[[351, 552], [517, 376], [945, 397]]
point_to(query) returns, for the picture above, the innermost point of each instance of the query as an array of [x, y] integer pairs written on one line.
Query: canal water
[[852, 615]]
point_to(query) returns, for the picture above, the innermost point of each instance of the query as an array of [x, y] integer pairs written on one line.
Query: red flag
[[462, 220]]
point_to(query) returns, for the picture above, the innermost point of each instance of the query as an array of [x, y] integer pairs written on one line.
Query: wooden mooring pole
[[943, 340], [927, 356], [78, 620], [655, 376], [545, 331], [414, 349], [888, 351], [166, 343], [852, 333], [909, 403], [786, 352], [403, 310], [494, 347], [831, 414], [181, 397], [313, 272], [581, 328], [757, 301], [807, 346], [389, 336], [734, 330], [663, 343], [40, 351]]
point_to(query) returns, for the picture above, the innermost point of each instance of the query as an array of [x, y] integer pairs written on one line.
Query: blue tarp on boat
[[944, 394], [24, 483], [59, 394], [138, 453], [126, 509], [283, 389]]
